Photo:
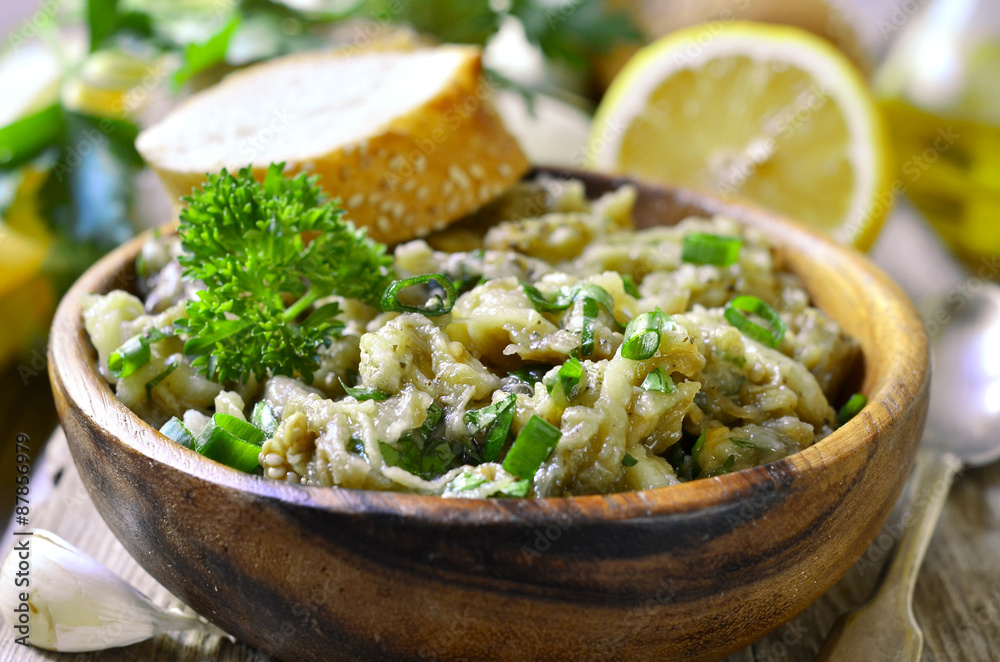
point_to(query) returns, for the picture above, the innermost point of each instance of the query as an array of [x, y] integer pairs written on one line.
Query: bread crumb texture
[[408, 140]]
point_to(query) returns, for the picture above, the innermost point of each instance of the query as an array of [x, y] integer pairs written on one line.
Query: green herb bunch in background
[[72, 185]]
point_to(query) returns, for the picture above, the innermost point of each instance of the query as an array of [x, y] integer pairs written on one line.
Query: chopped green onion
[[698, 445], [362, 394], [155, 381], [517, 489], [496, 419], [702, 248], [565, 297], [541, 303], [133, 354], [642, 335], [631, 288], [738, 308], [264, 419], [629, 461], [434, 307], [231, 441], [593, 297], [597, 294], [569, 376], [659, 380], [243, 430], [176, 430], [587, 327], [743, 443], [727, 467], [532, 447], [530, 374], [851, 408]]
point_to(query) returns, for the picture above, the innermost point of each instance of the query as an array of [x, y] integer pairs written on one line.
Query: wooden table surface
[[957, 599]]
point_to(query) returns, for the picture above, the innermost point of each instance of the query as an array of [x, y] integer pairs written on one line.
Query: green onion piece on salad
[[231, 441], [435, 306], [531, 447], [702, 248], [642, 335], [659, 380], [134, 354], [263, 418], [737, 312], [851, 408], [176, 430], [569, 376]]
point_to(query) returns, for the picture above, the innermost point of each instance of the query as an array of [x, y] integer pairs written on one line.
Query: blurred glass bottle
[[940, 86]]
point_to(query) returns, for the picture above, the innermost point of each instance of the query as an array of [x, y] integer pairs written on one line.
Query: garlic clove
[[75, 604]]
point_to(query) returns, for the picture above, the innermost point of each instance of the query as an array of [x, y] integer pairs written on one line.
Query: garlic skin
[[78, 605]]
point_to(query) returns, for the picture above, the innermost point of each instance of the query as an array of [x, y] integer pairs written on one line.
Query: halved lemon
[[769, 114]]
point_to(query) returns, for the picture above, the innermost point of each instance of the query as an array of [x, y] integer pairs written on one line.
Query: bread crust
[[425, 169]]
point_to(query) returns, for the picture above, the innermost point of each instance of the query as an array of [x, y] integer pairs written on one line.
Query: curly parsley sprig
[[266, 253]]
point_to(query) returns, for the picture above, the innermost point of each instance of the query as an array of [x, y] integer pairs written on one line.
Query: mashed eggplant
[[433, 404]]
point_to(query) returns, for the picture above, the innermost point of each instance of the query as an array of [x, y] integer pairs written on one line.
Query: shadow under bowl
[[694, 571]]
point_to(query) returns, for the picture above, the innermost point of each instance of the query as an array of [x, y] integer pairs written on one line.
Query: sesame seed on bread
[[408, 140]]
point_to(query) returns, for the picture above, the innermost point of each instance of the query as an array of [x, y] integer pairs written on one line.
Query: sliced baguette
[[409, 141]]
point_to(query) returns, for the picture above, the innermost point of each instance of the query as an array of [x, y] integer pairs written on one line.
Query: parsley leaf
[[362, 394], [419, 453], [256, 247], [429, 461], [493, 423]]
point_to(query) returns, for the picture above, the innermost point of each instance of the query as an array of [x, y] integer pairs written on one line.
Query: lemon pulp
[[769, 114]]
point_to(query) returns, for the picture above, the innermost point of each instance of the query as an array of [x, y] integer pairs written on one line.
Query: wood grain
[[689, 572], [957, 599]]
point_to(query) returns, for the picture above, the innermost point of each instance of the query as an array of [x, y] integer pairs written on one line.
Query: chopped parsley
[[492, 424], [420, 452], [362, 394]]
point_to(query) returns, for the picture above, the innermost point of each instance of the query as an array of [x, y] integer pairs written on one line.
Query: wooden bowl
[[694, 571]]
